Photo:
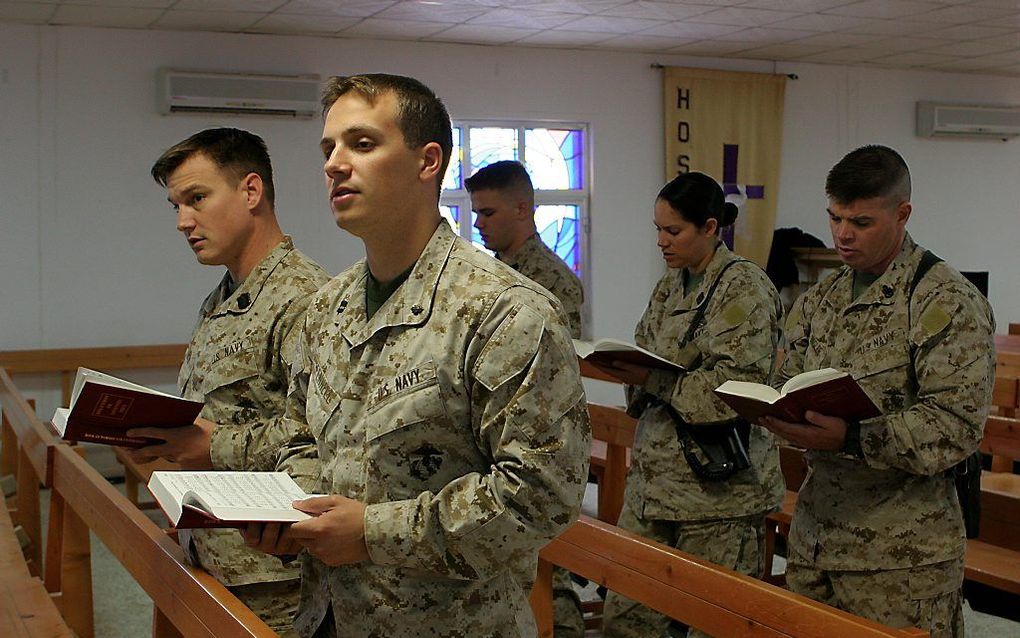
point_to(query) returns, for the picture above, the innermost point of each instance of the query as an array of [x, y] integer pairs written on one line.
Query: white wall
[[89, 254]]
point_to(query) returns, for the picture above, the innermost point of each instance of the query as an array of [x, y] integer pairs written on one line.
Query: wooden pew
[[189, 602], [1014, 329], [66, 361], [612, 432], [26, 610], [693, 591]]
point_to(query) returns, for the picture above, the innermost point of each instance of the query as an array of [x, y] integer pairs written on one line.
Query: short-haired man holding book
[[878, 529], [444, 395], [220, 183]]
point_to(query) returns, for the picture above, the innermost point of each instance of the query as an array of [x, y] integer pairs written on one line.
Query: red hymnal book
[[826, 391], [103, 408]]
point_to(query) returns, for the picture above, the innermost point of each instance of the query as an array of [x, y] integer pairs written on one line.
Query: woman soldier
[[700, 480]]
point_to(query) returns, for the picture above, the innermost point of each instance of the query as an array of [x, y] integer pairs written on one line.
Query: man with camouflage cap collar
[[878, 529], [503, 200], [443, 392], [221, 185]]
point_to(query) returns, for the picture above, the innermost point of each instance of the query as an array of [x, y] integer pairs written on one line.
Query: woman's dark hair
[[697, 198]]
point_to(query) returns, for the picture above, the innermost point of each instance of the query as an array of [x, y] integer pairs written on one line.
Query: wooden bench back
[[694, 591], [192, 600]]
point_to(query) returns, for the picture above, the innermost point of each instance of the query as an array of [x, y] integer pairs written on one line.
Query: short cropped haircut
[[506, 175], [868, 172], [421, 115], [697, 198], [234, 151]]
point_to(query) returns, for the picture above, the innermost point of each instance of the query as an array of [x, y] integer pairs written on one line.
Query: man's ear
[[253, 188], [431, 161], [903, 213], [525, 211]]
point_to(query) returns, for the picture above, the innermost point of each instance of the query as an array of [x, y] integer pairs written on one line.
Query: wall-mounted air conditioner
[[967, 120], [248, 93]]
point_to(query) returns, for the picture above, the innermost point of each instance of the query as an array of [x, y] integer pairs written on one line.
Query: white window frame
[[575, 197]]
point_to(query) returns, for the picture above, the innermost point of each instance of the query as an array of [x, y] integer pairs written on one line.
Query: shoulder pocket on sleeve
[[510, 348]]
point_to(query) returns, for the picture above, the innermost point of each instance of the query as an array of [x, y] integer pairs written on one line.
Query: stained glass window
[[555, 158]]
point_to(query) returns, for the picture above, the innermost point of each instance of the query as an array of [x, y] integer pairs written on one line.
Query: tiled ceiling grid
[[981, 36]]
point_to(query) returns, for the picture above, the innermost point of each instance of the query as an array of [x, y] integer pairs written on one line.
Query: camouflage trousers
[[568, 619], [275, 603], [927, 597], [736, 543]]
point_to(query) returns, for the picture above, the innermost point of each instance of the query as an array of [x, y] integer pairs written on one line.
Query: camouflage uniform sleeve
[[954, 361], [259, 447], [798, 336], [529, 416], [572, 299], [738, 343], [660, 381]]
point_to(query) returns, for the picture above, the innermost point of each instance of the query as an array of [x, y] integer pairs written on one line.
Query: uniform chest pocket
[[422, 405], [886, 375], [227, 368], [884, 360]]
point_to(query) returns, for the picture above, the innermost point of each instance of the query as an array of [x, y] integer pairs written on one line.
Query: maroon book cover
[[842, 397], [102, 414]]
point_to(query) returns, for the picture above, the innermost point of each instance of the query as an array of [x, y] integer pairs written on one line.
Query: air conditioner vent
[[967, 120], [238, 93]]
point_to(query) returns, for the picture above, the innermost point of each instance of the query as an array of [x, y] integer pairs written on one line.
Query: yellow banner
[[730, 125]]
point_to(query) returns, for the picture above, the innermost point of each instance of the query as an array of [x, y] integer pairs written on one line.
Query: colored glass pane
[[554, 158], [492, 144], [559, 227], [453, 180], [452, 215]]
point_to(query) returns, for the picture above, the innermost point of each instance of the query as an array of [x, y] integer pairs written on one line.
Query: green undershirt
[[377, 293], [862, 281]]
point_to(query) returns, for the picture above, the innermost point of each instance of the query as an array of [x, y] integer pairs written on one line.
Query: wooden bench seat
[[27, 611]]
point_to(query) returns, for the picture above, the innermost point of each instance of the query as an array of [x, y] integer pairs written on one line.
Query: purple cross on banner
[[732, 187]]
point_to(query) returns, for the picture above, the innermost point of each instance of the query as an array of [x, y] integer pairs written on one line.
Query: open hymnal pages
[[226, 499], [104, 407], [605, 351], [827, 391]]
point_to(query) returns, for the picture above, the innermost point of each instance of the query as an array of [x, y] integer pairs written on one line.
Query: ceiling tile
[[764, 35], [906, 44], [892, 27], [26, 12], [124, 17], [579, 7], [564, 38], [820, 22], [793, 50], [445, 13], [846, 56], [741, 17], [229, 5], [395, 29], [606, 24], [657, 10], [534, 20], [355, 8], [688, 31], [144, 4], [963, 14], [640, 42], [711, 47], [975, 48], [966, 32], [911, 59], [480, 34], [805, 6], [207, 20], [837, 40], [302, 24], [886, 9]]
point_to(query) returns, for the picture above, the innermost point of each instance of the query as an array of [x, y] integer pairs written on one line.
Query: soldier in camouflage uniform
[[736, 338], [220, 182], [443, 392], [503, 200], [878, 530], [504, 203]]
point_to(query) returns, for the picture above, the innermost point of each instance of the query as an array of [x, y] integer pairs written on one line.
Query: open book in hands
[[606, 351], [826, 391], [104, 407], [226, 499]]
